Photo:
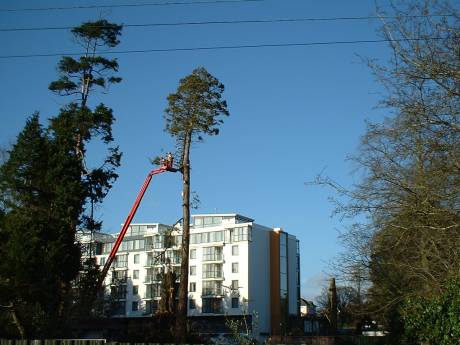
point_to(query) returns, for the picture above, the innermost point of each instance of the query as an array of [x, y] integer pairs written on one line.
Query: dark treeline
[[48, 194]]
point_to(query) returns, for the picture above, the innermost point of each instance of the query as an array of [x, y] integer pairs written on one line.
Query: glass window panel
[[212, 271], [235, 302], [192, 304], [135, 306], [192, 287], [212, 305]]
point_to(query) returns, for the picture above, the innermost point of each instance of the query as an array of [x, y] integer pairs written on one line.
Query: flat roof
[[236, 215]]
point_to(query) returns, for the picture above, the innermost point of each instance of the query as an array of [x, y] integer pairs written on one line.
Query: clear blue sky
[[294, 110]]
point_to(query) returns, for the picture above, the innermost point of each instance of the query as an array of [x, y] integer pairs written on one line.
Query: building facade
[[236, 268]]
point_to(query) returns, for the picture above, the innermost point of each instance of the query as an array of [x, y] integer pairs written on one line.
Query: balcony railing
[[116, 281], [213, 257], [152, 294], [154, 262], [120, 264], [153, 278], [212, 274], [215, 291]]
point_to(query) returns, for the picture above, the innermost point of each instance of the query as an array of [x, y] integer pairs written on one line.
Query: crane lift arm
[[166, 166]]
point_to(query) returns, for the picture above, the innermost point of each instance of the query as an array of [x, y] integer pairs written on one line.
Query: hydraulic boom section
[[167, 165]]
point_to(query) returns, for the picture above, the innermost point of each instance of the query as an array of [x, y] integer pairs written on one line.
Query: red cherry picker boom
[[166, 165]]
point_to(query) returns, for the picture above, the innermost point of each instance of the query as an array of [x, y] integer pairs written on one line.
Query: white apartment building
[[236, 268]]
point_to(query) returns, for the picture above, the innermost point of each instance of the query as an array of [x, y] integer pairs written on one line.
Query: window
[[118, 292], [216, 236], [235, 267], [212, 305], [191, 304], [178, 240], [235, 286], [198, 222], [107, 248], [192, 253], [192, 270], [136, 258], [135, 306], [153, 290], [240, 234], [235, 302], [138, 244], [173, 257], [207, 237], [212, 253], [121, 261], [207, 221], [151, 307], [192, 287], [136, 274], [102, 261], [154, 274], [135, 289], [235, 250], [126, 246], [212, 271], [155, 259], [135, 230], [211, 288], [119, 277]]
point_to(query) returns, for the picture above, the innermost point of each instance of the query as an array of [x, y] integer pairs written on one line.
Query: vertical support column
[[275, 302]]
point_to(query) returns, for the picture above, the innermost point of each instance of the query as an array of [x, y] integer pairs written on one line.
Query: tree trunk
[[17, 322], [333, 306], [181, 316]]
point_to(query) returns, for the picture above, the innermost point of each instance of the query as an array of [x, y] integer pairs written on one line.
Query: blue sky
[[295, 111]]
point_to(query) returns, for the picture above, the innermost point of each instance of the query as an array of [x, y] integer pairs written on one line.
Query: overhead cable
[[248, 46], [216, 22], [83, 7]]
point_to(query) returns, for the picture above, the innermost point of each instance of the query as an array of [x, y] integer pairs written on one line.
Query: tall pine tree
[[194, 110]]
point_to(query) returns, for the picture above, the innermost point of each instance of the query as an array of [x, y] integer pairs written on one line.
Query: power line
[[249, 46], [170, 3], [249, 21]]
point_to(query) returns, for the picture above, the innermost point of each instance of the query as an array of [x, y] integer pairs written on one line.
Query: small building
[[307, 308]]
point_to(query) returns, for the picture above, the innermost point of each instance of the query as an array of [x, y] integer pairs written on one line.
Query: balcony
[[118, 281], [120, 264], [149, 279], [155, 262], [152, 294], [213, 257], [213, 271], [211, 292], [213, 275]]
